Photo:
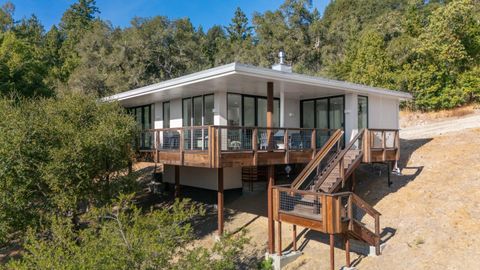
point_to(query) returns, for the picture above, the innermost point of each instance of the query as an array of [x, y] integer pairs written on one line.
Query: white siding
[[383, 112], [204, 177], [351, 115]]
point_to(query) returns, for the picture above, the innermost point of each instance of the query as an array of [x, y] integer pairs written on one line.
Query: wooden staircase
[[313, 200]]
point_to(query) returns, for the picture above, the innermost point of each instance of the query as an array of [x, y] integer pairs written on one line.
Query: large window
[[250, 111], [323, 113], [143, 117], [198, 111], [362, 112]]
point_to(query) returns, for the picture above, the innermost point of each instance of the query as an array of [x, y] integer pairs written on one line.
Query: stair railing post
[[342, 171]]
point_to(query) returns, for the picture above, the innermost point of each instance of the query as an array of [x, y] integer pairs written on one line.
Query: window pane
[[262, 112], [276, 113], [234, 104], [308, 120], [197, 111], [209, 106], [249, 111], [336, 113], [321, 111], [138, 116], [146, 117], [166, 114], [362, 112], [187, 112]]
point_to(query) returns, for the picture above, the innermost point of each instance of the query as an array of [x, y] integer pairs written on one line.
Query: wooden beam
[[347, 250], [269, 115], [294, 231], [271, 225], [279, 238], [177, 181], [332, 252], [220, 201]]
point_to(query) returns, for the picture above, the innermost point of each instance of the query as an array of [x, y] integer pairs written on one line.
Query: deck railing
[[343, 212]]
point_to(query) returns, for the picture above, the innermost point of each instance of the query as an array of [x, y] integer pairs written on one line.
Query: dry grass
[[412, 118]]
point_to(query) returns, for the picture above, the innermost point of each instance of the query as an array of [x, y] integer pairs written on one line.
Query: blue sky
[[120, 12]]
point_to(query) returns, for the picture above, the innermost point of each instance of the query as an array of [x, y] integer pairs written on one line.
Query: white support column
[[351, 115], [158, 115], [220, 104], [282, 105]]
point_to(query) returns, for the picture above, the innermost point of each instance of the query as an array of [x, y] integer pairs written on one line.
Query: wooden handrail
[[338, 159], [364, 205], [317, 159]]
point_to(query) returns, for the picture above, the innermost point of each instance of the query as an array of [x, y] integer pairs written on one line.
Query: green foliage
[[427, 48], [120, 236], [266, 264], [58, 156]]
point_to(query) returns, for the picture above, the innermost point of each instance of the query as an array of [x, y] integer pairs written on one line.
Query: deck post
[[294, 231], [271, 225], [347, 250], [279, 238], [332, 251], [177, 181], [389, 172], [220, 201]]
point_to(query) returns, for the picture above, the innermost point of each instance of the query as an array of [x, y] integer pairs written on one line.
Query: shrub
[[58, 156]]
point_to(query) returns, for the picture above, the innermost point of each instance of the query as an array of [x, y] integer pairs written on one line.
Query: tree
[[6, 16], [239, 29], [22, 68], [120, 236], [75, 22], [59, 156]]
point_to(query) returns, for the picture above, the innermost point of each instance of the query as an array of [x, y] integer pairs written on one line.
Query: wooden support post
[[271, 225], [354, 181], [332, 252], [177, 181], [347, 251], [220, 201], [389, 172], [269, 116], [279, 238], [294, 231]]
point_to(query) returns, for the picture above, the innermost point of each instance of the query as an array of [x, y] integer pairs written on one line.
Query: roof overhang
[[240, 78]]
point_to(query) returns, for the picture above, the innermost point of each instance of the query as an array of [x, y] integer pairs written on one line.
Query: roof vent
[[282, 66]]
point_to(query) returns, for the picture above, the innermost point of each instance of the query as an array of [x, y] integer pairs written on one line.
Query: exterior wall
[[351, 116], [383, 112], [204, 177], [220, 116]]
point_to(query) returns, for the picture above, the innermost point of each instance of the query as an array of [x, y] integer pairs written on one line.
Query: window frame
[[242, 107], [192, 108], [368, 109], [328, 108]]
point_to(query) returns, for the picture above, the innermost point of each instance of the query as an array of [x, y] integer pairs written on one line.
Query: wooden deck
[[225, 146]]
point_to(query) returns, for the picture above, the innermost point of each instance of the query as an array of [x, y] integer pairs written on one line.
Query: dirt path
[[442, 127]]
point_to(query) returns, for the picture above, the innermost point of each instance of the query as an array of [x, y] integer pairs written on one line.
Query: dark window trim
[[203, 107], [242, 113], [368, 110], [132, 111], [315, 109]]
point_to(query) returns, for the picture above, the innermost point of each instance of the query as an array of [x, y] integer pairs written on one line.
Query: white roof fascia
[[237, 68]]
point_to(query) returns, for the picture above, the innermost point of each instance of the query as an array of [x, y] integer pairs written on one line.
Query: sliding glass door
[[197, 111], [323, 113]]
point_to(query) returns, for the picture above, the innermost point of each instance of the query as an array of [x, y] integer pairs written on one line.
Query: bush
[[121, 237], [59, 156]]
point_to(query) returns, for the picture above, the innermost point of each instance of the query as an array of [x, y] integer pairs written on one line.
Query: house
[[210, 127]]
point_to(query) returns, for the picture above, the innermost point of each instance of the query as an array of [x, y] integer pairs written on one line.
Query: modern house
[[219, 128]]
